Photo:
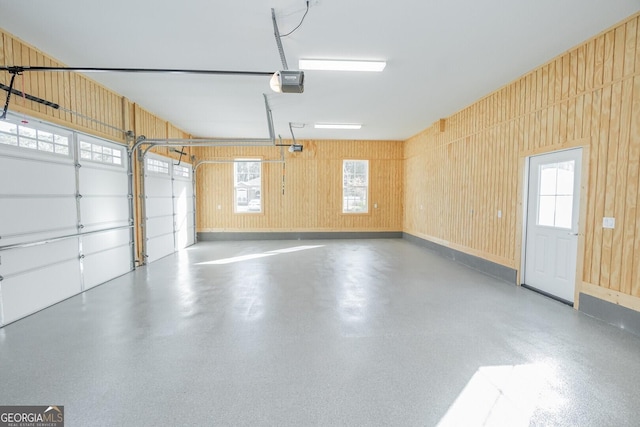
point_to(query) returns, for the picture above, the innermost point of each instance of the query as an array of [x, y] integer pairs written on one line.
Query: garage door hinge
[[81, 256], [78, 196], [78, 165], [1, 278]]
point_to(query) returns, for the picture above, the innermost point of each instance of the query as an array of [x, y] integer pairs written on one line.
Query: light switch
[[375, 206], [608, 222], [499, 214]]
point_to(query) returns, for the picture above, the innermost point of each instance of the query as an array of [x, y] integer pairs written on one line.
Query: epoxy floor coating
[[331, 333]]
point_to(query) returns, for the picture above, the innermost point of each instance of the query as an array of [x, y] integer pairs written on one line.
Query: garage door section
[[183, 206], [158, 197], [38, 193], [104, 207], [61, 229], [169, 208]]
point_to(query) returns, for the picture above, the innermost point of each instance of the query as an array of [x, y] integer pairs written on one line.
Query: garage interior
[[453, 240]]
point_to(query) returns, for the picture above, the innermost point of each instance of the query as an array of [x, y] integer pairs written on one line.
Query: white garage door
[[169, 206], [47, 204], [104, 205], [183, 206]]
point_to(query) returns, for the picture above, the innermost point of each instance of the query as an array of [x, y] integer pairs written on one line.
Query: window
[[32, 138], [157, 166], [101, 153], [247, 181], [555, 203], [181, 171], [355, 186]]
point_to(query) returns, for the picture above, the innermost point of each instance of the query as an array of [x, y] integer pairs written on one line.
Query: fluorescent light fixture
[[337, 126], [339, 65]]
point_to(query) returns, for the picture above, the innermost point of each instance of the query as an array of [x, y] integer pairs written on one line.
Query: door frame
[[523, 192]]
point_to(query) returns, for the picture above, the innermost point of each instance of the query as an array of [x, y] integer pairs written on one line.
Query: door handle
[[572, 234]]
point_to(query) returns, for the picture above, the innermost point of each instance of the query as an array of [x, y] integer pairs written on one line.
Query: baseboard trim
[[297, 235], [490, 268], [613, 314]]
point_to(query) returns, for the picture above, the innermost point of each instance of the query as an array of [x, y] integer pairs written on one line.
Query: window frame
[[243, 211], [154, 168], [38, 127], [181, 175], [344, 209], [555, 194], [97, 142]]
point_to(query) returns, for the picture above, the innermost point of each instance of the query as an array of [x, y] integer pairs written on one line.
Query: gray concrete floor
[[367, 332]]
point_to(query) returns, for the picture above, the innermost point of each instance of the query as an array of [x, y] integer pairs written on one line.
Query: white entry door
[[553, 204]]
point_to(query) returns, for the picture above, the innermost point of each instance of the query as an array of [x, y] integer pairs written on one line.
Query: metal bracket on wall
[[26, 96]]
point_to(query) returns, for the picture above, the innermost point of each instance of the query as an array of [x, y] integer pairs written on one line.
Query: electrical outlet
[[219, 207], [608, 222]]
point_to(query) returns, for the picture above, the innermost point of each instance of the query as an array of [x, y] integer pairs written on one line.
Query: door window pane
[[546, 210], [548, 174], [555, 194], [565, 178], [564, 208]]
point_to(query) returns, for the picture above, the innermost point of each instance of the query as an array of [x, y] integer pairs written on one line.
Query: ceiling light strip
[[342, 126]]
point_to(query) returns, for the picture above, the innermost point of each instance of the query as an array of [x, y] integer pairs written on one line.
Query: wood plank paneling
[[312, 200], [71, 91], [589, 95]]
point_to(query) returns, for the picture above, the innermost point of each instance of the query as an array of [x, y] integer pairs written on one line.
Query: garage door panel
[[17, 174], [103, 181], [18, 260], [104, 266], [155, 186], [159, 226], [30, 292], [159, 247], [29, 215], [110, 211], [158, 207], [97, 242]]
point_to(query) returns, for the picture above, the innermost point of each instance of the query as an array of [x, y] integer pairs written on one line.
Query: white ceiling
[[442, 55]]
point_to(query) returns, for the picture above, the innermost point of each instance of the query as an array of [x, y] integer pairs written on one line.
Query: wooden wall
[[312, 200], [589, 96], [71, 91]]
